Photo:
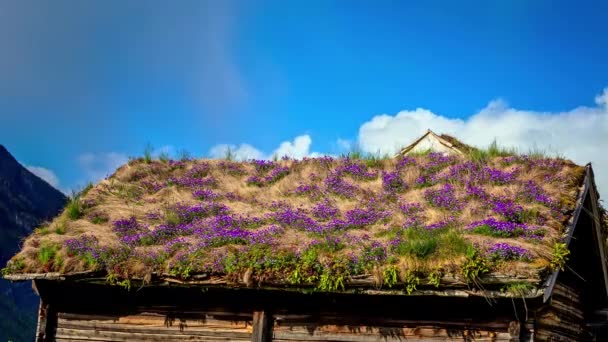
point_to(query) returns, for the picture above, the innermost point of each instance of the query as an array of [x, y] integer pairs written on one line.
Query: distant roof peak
[[439, 143]]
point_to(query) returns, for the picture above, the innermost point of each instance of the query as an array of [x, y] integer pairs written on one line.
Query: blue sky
[[84, 84]]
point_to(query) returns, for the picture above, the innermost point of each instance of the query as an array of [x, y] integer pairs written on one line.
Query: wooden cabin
[[92, 293]]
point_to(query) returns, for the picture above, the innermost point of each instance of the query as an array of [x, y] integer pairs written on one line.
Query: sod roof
[[410, 224]]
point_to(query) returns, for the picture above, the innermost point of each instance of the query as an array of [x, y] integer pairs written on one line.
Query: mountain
[[25, 202]]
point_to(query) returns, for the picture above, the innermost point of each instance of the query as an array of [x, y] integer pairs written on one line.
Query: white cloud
[[240, 152], [298, 149], [101, 165], [45, 174], [344, 144], [166, 149], [579, 134]]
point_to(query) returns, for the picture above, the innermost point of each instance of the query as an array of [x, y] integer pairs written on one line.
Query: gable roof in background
[[436, 143]]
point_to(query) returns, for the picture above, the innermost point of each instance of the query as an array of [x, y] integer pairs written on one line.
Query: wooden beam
[[597, 228], [262, 327], [550, 283], [47, 321]]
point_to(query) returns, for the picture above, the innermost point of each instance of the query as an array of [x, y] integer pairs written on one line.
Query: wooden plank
[[262, 327], [580, 201], [163, 322], [597, 230], [307, 320], [103, 335], [387, 334], [158, 329]]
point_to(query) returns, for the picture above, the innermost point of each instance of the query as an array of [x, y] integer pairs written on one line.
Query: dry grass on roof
[[317, 222]]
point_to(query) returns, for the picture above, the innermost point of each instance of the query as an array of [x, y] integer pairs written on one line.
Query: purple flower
[[355, 169], [443, 197], [262, 166], [360, 217], [392, 182], [82, 246], [504, 251], [152, 186], [405, 161], [493, 227], [534, 193], [511, 211], [334, 183], [205, 194], [324, 210]]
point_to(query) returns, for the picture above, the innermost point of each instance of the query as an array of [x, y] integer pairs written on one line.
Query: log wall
[[79, 312]]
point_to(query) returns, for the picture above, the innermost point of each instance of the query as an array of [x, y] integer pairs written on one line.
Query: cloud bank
[[45, 174], [298, 148], [580, 134], [100, 165]]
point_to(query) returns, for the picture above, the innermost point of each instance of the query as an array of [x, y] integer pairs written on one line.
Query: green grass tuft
[[164, 157], [519, 289], [148, 150], [183, 155], [483, 155], [46, 253], [74, 208]]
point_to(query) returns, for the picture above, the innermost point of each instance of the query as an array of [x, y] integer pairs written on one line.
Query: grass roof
[[406, 224]]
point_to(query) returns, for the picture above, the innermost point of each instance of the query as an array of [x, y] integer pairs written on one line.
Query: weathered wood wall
[[152, 326], [81, 311], [580, 289]]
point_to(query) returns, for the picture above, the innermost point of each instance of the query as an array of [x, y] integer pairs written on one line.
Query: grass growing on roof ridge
[[315, 222]]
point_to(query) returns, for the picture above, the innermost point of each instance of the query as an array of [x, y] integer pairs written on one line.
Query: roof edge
[[589, 188], [441, 140]]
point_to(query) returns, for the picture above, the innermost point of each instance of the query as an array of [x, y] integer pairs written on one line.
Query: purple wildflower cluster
[[187, 213], [406, 161], [205, 194], [506, 252], [392, 182], [337, 185], [494, 227], [356, 169], [534, 193], [474, 173], [129, 231], [311, 190], [152, 186], [83, 245], [231, 168], [324, 210], [444, 197], [267, 172], [511, 211]]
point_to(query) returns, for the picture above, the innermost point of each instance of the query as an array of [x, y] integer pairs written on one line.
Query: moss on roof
[[409, 223]]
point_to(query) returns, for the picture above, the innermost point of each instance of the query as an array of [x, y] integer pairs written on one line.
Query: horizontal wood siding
[[151, 327], [85, 312], [345, 328], [563, 319]]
